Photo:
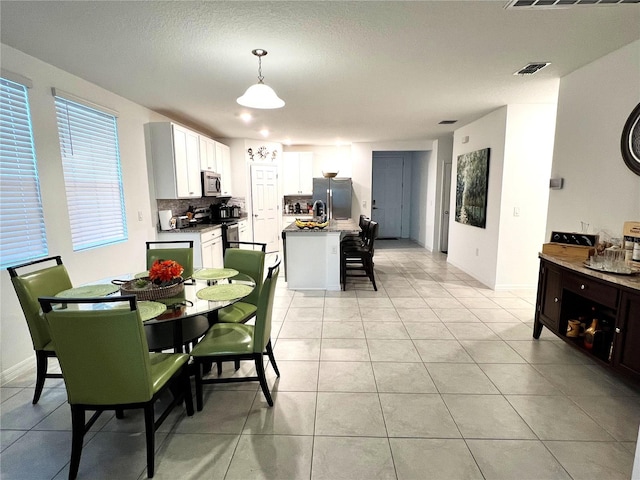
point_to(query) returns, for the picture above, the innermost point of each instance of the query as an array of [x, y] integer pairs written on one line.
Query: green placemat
[[142, 274], [88, 291], [149, 310], [227, 291], [214, 273]]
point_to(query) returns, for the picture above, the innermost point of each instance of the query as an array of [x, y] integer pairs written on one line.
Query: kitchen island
[[312, 256]]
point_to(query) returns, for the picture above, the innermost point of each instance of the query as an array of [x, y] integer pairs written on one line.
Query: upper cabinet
[[298, 173], [216, 156], [208, 154], [175, 154], [223, 160]]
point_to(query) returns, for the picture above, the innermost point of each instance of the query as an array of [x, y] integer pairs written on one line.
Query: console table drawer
[[598, 292]]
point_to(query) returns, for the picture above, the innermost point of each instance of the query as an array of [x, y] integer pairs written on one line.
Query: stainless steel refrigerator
[[336, 194]]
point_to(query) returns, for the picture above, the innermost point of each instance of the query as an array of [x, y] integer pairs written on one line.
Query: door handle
[[374, 208], [255, 215]]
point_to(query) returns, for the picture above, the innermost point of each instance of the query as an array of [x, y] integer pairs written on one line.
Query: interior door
[[264, 202], [386, 192], [446, 208]]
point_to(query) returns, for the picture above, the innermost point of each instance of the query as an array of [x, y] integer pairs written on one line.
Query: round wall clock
[[630, 141]]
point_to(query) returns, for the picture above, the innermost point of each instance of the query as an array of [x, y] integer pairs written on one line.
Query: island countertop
[[335, 226]]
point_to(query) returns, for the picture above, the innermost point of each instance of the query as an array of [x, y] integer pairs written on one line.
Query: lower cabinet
[[627, 334], [550, 296], [244, 234], [212, 251], [207, 246], [566, 295]]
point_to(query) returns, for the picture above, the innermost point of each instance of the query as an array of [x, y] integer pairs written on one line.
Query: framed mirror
[[630, 141]]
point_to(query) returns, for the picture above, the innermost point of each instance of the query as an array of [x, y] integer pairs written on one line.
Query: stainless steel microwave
[[211, 186]]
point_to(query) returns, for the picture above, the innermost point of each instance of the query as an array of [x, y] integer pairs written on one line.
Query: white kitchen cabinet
[[207, 246], [298, 173], [244, 234], [223, 161], [175, 155], [208, 154], [212, 251]]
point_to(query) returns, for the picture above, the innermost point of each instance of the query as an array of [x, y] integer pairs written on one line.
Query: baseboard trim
[[17, 370]]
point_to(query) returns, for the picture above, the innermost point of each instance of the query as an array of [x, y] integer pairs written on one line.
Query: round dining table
[[188, 314]]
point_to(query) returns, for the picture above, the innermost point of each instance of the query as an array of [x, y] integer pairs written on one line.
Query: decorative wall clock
[[630, 141]]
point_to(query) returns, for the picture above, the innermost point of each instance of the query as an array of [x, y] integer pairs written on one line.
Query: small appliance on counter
[[202, 215], [319, 210], [220, 212], [165, 220], [234, 211], [182, 221]]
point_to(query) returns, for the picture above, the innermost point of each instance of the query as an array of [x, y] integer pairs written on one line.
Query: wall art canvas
[[471, 188]]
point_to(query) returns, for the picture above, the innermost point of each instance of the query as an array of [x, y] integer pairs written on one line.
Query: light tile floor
[[433, 376]]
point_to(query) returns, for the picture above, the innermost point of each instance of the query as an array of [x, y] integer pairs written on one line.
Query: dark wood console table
[[568, 290]]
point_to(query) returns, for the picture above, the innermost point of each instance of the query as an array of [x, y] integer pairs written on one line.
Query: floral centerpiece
[[164, 280], [165, 272]]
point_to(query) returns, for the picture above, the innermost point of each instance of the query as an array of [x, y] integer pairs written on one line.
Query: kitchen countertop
[[629, 281], [202, 227], [198, 228], [341, 226]]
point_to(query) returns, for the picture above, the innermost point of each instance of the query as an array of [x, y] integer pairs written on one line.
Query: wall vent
[[531, 68], [447, 122], [540, 4]]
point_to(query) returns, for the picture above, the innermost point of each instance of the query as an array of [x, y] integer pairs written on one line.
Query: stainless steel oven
[[230, 233]]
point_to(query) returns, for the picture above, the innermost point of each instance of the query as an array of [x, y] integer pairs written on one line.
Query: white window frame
[[90, 153], [22, 230]]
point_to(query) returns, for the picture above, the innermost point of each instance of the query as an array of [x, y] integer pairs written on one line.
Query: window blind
[[22, 232], [92, 175]]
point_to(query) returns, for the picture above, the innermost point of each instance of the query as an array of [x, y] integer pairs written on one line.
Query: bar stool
[[359, 257]]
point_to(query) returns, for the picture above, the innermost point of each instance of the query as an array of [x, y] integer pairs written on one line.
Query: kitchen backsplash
[[179, 207]]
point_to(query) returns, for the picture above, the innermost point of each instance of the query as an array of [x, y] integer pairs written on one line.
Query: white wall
[[527, 167], [442, 153], [420, 194], [15, 342], [504, 254], [593, 106], [472, 249]]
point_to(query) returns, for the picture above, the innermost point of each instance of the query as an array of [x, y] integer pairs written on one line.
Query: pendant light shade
[[260, 95]]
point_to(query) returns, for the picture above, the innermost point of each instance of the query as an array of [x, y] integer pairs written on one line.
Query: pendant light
[[260, 95]]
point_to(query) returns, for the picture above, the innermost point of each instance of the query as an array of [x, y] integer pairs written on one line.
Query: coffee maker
[[319, 209]]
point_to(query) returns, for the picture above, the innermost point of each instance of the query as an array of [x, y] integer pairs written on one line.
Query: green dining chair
[[106, 365], [29, 286], [249, 262], [238, 341], [161, 250]]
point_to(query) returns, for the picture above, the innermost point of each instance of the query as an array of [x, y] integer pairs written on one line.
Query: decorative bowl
[[329, 174], [151, 291]]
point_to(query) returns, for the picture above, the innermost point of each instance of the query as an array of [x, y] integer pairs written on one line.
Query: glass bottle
[[590, 333]]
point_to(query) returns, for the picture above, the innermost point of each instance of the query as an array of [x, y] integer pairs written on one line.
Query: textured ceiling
[[349, 71]]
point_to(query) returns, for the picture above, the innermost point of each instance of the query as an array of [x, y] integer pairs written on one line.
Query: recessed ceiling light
[[264, 132], [287, 141], [447, 122], [246, 117]]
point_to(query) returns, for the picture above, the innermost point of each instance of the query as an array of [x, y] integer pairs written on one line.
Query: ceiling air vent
[[531, 68], [447, 122], [540, 4]]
